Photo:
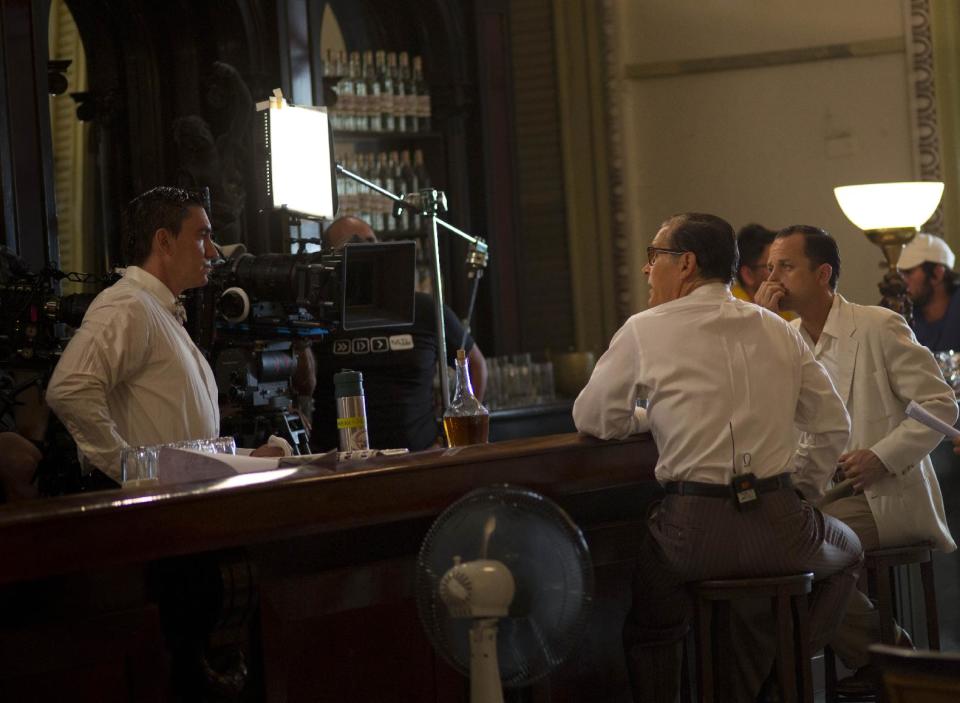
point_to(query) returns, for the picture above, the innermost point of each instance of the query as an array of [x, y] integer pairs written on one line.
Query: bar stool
[[788, 595], [879, 564]]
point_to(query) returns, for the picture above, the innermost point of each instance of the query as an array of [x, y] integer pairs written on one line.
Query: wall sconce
[[890, 214]]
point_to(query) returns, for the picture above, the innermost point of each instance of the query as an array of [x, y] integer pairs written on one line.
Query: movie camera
[[256, 309], [34, 316]]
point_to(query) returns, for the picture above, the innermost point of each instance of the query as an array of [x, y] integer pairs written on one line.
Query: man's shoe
[[863, 684], [903, 639]]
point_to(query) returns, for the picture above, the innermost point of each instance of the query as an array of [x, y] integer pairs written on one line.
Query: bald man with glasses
[[718, 427]]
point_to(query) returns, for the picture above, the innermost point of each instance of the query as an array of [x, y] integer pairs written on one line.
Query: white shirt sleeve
[[824, 423], [110, 346], [607, 405]]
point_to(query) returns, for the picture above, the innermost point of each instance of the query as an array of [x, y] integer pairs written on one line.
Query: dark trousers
[[693, 538]]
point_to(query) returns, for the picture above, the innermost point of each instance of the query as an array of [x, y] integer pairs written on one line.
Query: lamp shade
[[889, 205]]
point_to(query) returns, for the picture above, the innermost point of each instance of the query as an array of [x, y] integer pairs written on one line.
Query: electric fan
[[504, 582]]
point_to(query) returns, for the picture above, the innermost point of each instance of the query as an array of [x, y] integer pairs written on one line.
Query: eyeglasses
[[653, 251]]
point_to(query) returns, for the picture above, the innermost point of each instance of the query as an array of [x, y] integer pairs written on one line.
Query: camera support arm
[[428, 203]]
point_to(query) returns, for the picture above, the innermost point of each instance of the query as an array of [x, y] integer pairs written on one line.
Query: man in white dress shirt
[[703, 360], [132, 375], [877, 367]]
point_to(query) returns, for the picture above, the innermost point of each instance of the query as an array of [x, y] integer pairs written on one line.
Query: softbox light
[[299, 162]]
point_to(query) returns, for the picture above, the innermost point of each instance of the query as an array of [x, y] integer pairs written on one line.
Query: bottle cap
[[348, 383]]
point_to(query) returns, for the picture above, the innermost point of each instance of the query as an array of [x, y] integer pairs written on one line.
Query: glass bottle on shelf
[[360, 111], [411, 185], [385, 177], [405, 110], [374, 199], [329, 71], [349, 199], [346, 100], [467, 421], [398, 95], [399, 186], [373, 93], [422, 96], [385, 80]]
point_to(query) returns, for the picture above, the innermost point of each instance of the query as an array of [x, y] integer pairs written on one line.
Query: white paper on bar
[[934, 423], [182, 466]]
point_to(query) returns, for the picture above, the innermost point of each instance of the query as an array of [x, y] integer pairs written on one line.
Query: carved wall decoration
[[924, 99], [619, 233], [215, 151]]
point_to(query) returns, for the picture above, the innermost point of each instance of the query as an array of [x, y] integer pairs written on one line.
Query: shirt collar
[[712, 290], [833, 326], [157, 288]]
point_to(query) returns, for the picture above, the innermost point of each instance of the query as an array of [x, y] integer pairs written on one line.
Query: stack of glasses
[[138, 465], [516, 381]]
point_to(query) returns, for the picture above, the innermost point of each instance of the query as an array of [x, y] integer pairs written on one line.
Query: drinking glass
[[224, 445], [138, 466]]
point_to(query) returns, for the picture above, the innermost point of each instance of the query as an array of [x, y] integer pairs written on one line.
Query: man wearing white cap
[[927, 267]]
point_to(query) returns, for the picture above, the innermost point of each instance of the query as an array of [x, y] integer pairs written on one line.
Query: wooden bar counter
[[291, 585]]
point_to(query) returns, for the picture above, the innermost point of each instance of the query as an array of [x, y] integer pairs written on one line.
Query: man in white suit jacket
[[877, 367]]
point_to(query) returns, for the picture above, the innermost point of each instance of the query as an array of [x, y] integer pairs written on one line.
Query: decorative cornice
[[924, 99]]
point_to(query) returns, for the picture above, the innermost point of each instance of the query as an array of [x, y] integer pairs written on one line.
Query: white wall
[[763, 144]]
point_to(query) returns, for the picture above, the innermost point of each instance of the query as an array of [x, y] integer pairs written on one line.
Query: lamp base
[[893, 288], [894, 291]]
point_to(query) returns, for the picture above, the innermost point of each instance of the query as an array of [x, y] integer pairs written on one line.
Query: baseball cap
[[925, 247]]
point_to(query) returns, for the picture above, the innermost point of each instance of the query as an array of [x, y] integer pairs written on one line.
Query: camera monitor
[[378, 285], [300, 168]]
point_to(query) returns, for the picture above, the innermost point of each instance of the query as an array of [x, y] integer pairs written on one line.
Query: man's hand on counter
[[267, 451]]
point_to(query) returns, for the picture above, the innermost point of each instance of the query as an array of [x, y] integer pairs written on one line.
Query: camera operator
[[132, 375], [397, 376]]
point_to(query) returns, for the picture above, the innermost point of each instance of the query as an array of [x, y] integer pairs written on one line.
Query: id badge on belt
[[745, 495]]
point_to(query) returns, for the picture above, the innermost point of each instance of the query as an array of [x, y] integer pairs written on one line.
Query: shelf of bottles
[[380, 111], [377, 94]]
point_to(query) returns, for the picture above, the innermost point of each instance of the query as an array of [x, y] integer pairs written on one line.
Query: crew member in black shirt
[[398, 366]]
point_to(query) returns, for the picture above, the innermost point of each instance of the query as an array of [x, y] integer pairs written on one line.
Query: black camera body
[[34, 319], [255, 308]]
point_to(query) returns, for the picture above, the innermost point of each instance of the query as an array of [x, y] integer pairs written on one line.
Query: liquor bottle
[[385, 176], [405, 110], [360, 110], [374, 207], [329, 71], [387, 121], [466, 421], [399, 122], [373, 93], [400, 186], [346, 100], [349, 202], [422, 95], [410, 185]]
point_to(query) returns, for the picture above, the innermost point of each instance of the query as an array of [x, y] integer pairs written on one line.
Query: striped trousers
[[693, 538]]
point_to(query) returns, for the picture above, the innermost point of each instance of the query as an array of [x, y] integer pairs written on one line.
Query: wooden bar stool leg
[[930, 604], [785, 662], [885, 599], [704, 653], [801, 639], [723, 644], [830, 674]]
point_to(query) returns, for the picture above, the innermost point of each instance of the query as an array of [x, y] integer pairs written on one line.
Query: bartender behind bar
[[131, 375], [398, 366], [732, 470]]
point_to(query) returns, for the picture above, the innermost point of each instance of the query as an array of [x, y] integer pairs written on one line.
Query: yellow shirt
[[739, 292]]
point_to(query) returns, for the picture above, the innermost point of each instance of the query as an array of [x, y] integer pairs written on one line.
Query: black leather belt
[[717, 490]]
